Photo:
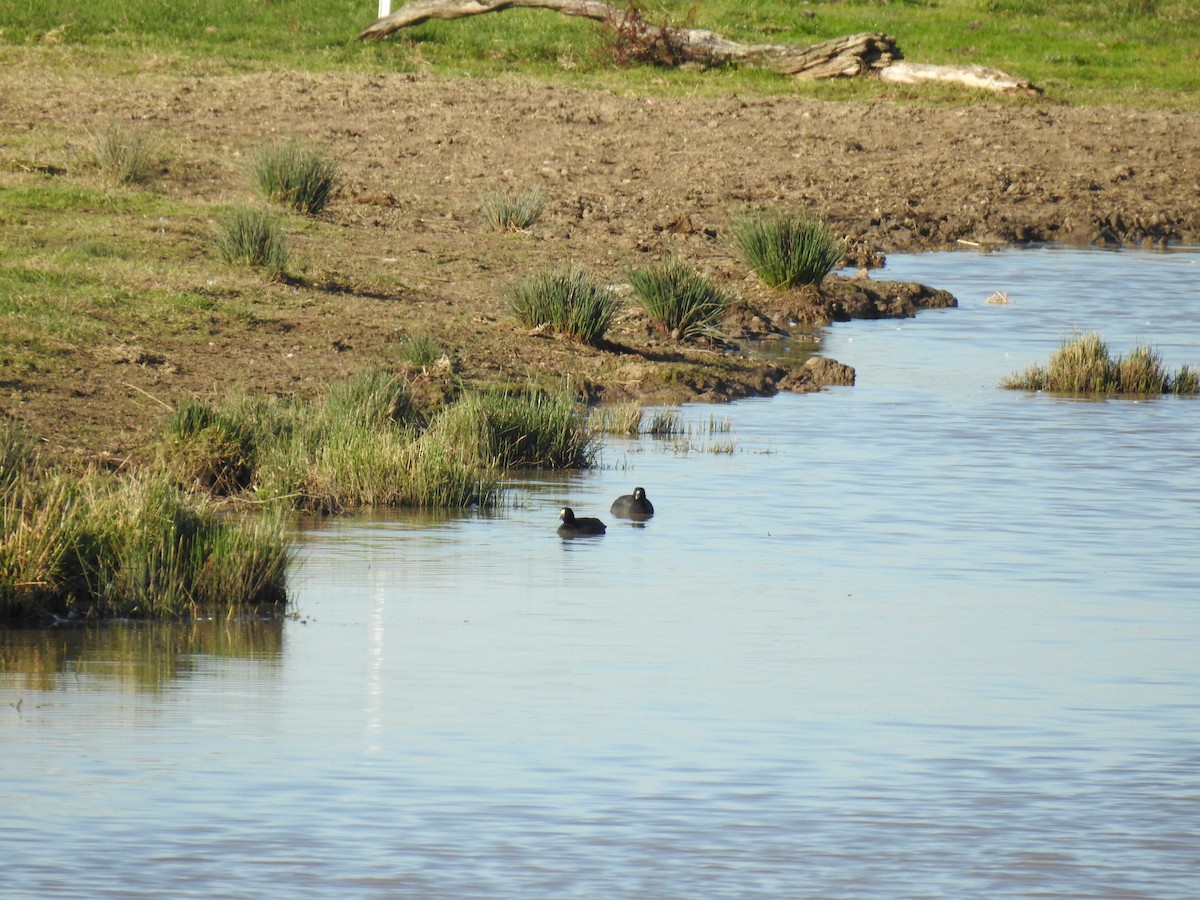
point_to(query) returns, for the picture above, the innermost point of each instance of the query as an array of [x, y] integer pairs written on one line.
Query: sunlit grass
[[509, 210], [1082, 52], [1084, 365], [566, 300], [101, 546], [294, 175], [252, 237], [786, 250], [122, 153], [679, 299], [531, 428]]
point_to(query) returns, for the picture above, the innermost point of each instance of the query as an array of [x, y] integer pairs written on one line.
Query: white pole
[[385, 8]]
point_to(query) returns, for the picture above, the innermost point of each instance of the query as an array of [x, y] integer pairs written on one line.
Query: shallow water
[[921, 637]]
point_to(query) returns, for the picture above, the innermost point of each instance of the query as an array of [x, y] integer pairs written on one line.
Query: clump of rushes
[[251, 237], [566, 300], [618, 418], [99, 546], [359, 446], [787, 250], [679, 299], [18, 453], [295, 176], [512, 210], [207, 449], [371, 399], [529, 428], [122, 153], [421, 349], [1083, 365], [666, 423]]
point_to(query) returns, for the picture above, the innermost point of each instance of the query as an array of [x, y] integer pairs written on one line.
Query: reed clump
[[123, 154], [252, 237], [1084, 365], [207, 449], [566, 300], [510, 210], [421, 349], [294, 175], [101, 546], [618, 418], [530, 428], [786, 250], [679, 299]]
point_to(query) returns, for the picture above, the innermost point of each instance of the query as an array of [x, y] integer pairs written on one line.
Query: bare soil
[[630, 180]]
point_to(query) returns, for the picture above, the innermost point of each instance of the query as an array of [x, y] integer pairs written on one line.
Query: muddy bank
[[630, 180]]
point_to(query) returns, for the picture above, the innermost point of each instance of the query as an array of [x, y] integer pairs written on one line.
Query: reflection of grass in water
[[145, 655]]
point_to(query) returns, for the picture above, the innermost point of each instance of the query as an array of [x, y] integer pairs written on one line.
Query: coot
[[573, 527], [633, 506]]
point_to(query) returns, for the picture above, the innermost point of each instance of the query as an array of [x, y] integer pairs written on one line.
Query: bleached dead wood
[[903, 72], [853, 55]]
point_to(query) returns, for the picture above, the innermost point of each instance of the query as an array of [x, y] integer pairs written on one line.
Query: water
[[917, 638]]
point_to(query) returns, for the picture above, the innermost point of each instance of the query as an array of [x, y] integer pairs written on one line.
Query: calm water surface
[[917, 638]]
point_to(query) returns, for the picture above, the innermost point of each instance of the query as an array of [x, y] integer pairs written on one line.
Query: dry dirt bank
[[630, 180]]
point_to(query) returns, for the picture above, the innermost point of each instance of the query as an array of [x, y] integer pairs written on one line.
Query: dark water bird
[[633, 506], [573, 527]]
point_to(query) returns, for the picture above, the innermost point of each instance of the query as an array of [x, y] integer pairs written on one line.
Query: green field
[[1132, 53]]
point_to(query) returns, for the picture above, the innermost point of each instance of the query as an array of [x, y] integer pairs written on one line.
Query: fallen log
[[844, 57]]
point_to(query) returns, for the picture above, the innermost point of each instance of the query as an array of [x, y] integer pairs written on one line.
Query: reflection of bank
[[142, 655]]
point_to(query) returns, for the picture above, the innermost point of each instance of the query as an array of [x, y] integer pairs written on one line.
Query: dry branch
[[852, 55]]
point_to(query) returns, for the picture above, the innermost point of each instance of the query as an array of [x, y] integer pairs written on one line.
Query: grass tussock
[[532, 428], [509, 210], [679, 299], [207, 449], [1084, 365], [295, 176], [421, 349], [623, 419], [787, 250], [566, 300], [252, 237], [666, 423], [123, 154], [100, 546]]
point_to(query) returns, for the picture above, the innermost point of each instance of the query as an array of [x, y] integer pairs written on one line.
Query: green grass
[[252, 237], [786, 250], [100, 546], [1126, 52], [123, 153], [296, 176], [365, 445], [511, 210], [679, 299], [567, 300], [531, 428], [1083, 365], [421, 349]]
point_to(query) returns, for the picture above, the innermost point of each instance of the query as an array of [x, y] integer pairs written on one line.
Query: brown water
[[917, 638]]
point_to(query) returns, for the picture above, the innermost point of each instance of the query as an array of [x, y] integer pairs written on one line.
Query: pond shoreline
[[630, 180]]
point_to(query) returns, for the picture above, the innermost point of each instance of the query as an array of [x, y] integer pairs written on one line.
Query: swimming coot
[[573, 527], [633, 506]]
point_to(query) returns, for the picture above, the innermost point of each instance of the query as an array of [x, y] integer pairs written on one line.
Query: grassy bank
[[95, 546], [161, 540], [1140, 52]]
